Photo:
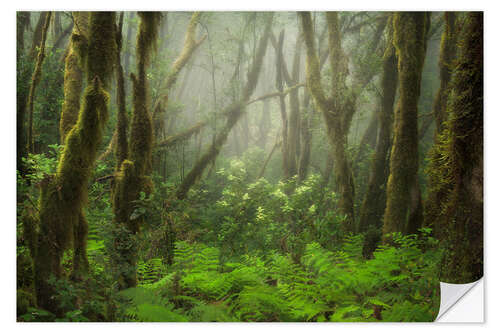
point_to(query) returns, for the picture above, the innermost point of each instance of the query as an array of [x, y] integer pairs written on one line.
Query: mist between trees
[[247, 166]]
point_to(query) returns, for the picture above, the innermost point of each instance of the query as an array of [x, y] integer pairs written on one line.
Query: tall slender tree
[[35, 79], [372, 209], [337, 110], [134, 173]]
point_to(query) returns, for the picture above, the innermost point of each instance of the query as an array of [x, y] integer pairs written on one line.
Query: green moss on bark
[[73, 74], [133, 174], [101, 47], [337, 110], [460, 166], [436, 154], [63, 195], [402, 211]]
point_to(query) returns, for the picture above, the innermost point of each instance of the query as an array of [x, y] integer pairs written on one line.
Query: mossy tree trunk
[[446, 61], [446, 64], [133, 176], [373, 206], [100, 63], [74, 73], [403, 206], [61, 219], [461, 163], [337, 110], [63, 195]]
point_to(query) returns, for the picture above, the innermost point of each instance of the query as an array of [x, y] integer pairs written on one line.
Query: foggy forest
[[246, 166]]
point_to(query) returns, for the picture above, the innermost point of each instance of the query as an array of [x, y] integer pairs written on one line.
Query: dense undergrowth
[[262, 252]]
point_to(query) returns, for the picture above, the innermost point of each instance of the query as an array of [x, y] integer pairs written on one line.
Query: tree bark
[[337, 110], [410, 39], [133, 176], [446, 63], [73, 74], [461, 163], [372, 209]]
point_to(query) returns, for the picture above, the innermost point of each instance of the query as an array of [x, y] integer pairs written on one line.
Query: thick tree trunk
[[446, 62], [410, 39], [461, 162], [73, 74], [63, 195]]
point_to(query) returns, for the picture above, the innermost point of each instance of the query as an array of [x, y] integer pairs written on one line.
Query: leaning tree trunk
[[234, 113], [403, 208]]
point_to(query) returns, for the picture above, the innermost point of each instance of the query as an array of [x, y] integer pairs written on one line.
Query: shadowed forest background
[[243, 166]]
